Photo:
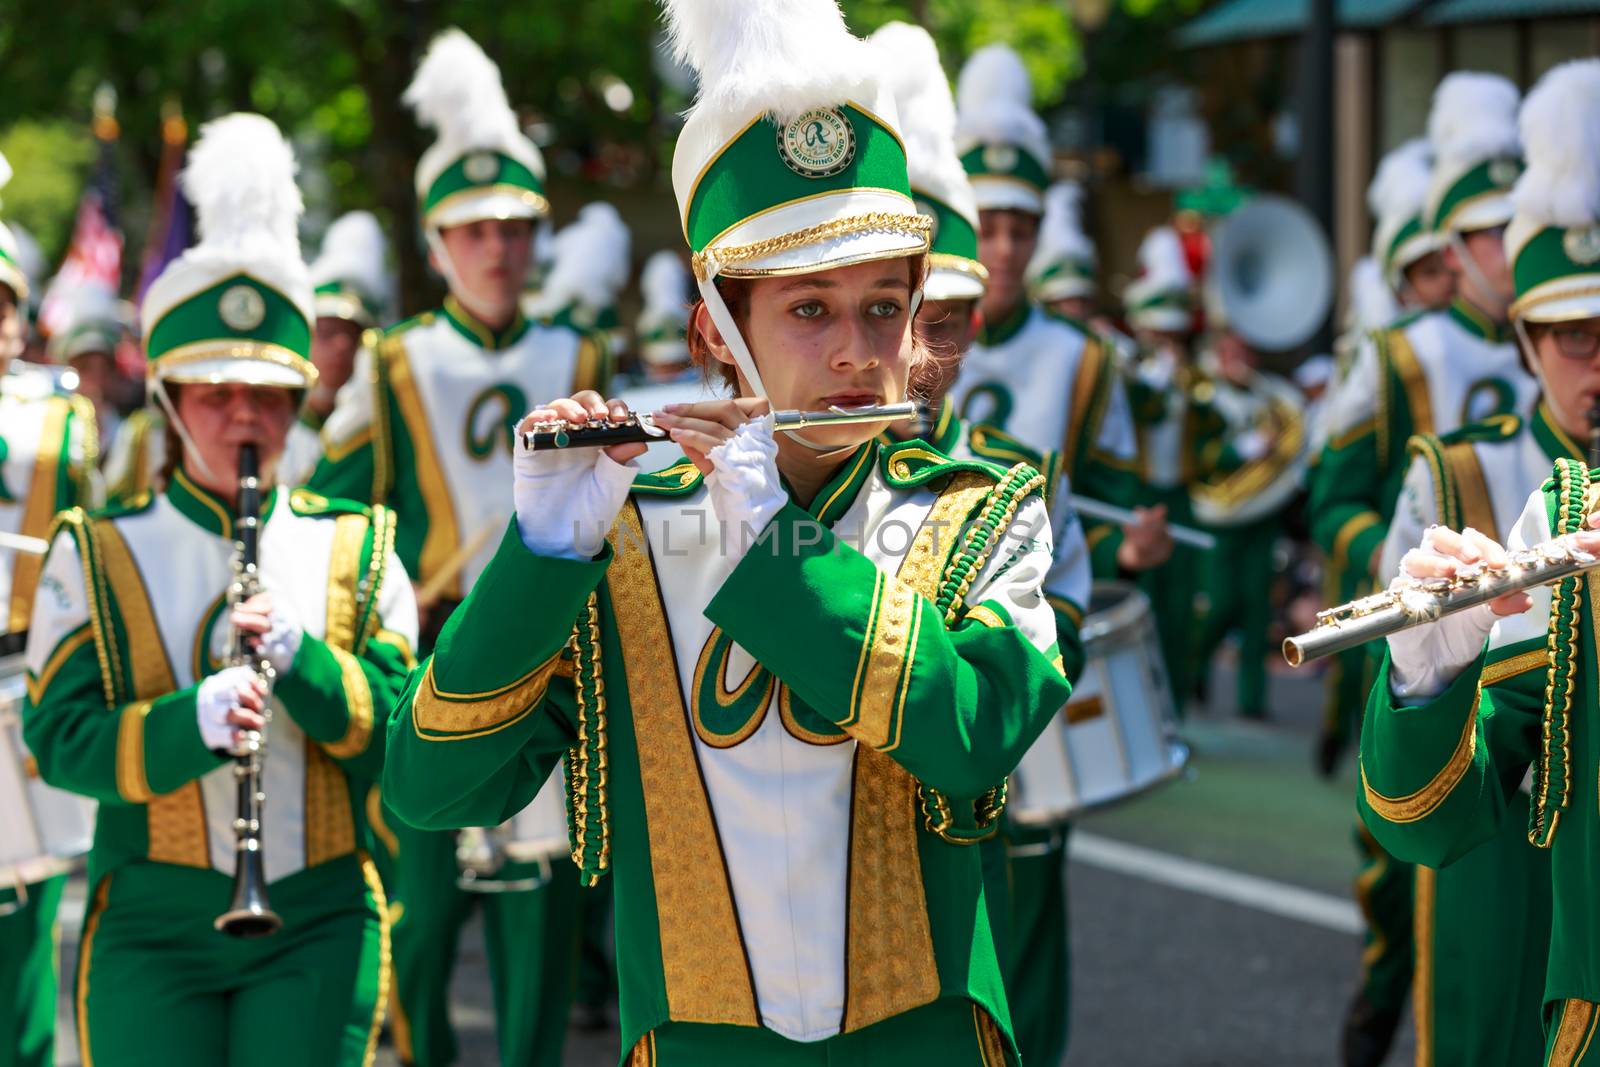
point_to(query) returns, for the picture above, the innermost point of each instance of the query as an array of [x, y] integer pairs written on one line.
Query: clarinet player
[[132, 699]]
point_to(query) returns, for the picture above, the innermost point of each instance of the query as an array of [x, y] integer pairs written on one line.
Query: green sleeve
[[1435, 778], [957, 708], [1148, 404], [482, 721], [1069, 637], [343, 701], [348, 477], [123, 755], [1113, 484], [1346, 519]]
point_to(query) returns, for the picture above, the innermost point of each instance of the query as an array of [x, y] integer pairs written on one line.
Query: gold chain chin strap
[[871, 222]]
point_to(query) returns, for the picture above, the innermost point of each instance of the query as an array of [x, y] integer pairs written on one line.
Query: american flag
[[95, 255]]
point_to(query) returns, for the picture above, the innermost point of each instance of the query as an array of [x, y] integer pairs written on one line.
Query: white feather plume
[[927, 110], [1474, 118], [779, 56], [994, 99], [355, 252], [457, 93], [1371, 300], [1560, 124], [1162, 264], [240, 179], [664, 287], [5, 170], [591, 261], [29, 256], [1400, 187], [1061, 235]]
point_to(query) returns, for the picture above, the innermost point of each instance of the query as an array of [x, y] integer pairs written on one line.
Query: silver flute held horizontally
[[248, 915], [1419, 601], [641, 426]]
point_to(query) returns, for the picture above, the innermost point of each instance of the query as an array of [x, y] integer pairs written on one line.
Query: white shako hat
[[791, 160], [94, 321], [1002, 142], [1371, 304], [1472, 129], [237, 306], [1063, 264], [349, 277], [664, 319], [588, 270], [1397, 198], [1553, 241], [938, 181], [12, 271], [481, 166], [1161, 298]]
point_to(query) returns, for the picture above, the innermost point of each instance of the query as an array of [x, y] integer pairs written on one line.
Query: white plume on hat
[[5, 170], [355, 252], [1372, 304], [1560, 125], [1400, 186], [664, 287], [25, 250], [994, 99], [1162, 263], [927, 114], [1474, 118], [21, 276], [744, 52], [591, 258], [240, 179], [1061, 235]]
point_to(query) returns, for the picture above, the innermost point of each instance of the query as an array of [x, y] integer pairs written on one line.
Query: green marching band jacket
[[132, 615], [785, 757]]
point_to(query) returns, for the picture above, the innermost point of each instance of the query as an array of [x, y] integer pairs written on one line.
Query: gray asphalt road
[[1162, 976]]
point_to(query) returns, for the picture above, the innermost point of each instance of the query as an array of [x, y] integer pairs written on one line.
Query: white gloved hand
[[1424, 660], [1251, 445], [217, 696], [281, 642], [568, 499], [746, 491]]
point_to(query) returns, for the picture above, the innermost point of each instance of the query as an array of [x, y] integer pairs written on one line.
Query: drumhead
[[1115, 607]]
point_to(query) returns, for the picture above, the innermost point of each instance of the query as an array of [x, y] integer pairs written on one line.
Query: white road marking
[[1219, 883]]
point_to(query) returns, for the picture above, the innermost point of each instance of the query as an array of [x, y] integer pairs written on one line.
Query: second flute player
[[785, 733]]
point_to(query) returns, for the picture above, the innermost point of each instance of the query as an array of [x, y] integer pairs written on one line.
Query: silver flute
[[641, 426], [1419, 601]]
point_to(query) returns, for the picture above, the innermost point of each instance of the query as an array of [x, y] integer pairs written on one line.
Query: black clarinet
[[249, 915], [1594, 436]]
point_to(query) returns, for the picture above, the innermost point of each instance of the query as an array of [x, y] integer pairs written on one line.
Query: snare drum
[[537, 834], [1117, 737], [45, 830]]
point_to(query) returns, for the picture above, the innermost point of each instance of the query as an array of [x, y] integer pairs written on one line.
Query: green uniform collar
[[835, 498], [1000, 332], [475, 330], [1555, 441], [207, 510], [1475, 322]]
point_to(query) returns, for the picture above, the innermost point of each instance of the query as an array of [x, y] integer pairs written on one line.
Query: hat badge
[[1582, 244], [481, 167], [818, 143], [1504, 172], [999, 158], [241, 308]]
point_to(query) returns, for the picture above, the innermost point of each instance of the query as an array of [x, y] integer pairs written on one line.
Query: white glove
[[217, 696], [1251, 445], [1424, 660], [279, 645], [745, 489], [567, 499]]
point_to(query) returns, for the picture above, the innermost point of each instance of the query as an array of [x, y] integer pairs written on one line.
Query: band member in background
[[46, 444], [763, 800], [1045, 381], [589, 267], [1486, 820], [133, 701], [86, 344], [426, 425]]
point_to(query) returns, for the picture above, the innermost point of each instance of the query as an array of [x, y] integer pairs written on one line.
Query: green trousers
[[1039, 967], [1349, 677], [1383, 890], [1171, 588], [1483, 940], [531, 938], [596, 985], [28, 973], [1238, 583], [157, 986], [950, 1032]]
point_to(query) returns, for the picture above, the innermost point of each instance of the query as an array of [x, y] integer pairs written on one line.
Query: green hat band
[[1005, 161], [1553, 255], [485, 171], [1173, 299], [1071, 268], [1491, 178], [952, 234], [238, 312], [338, 300], [824, 150], [1391, 255]]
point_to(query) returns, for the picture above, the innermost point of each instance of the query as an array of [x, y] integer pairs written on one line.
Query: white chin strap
[[190, 449], [1469, 264]]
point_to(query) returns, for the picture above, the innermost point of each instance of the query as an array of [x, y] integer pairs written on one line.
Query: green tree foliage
[[50, 158]]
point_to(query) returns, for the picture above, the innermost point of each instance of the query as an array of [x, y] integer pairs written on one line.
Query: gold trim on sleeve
[[58, 659], [888, 653], [1573, 1034], [133, 785], [1354, 527], [460, 716], [1416, 806], [1537, 659], [358, 703]]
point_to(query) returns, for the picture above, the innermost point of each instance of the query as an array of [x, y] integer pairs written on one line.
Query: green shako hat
[[1553, 241], [791, 160], [237, 306], [1472, 129], [481, 166], [663, 325], [1002, 142], [94, 322], [1161, 298], [1397, 198], [350, 276], [1063, 264], [12, 272], [938, 181]]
